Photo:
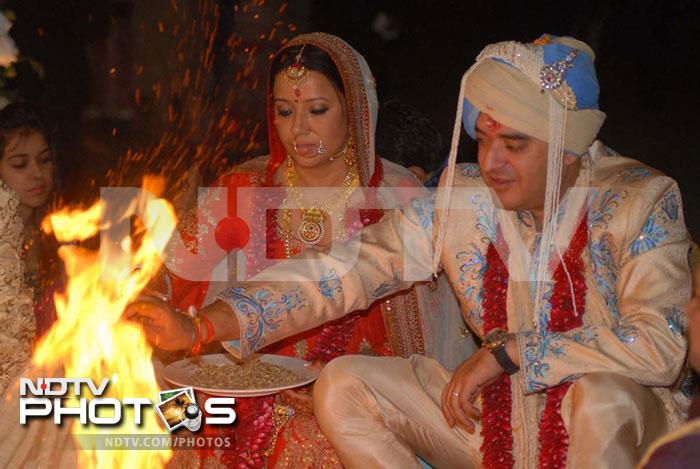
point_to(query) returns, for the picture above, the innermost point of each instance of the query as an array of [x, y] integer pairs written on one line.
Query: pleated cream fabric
[[382, 412]]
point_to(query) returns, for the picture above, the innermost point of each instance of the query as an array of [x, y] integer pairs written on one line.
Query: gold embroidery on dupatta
[[402, 322], [366, 348], [301, 348], [280, 416], [306, 446]]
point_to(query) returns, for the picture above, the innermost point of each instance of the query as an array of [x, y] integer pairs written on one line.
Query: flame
[[89, 340]]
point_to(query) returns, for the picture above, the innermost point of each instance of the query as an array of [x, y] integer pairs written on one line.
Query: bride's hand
[[165, 327], [299, 399]]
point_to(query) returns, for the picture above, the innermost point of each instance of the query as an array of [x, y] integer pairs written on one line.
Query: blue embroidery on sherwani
[[651, 236], [676, 320], [610, 152], [600, 214], [262, 311], [635, 174], [471, 278], [330, 284], [654, 232], [669, 206], [471, 170], [546, 310], [525, 218], [542, 345], [537, 346], [602, 249], [626, 334], [535, 350], [585, 335], [485, 217], [425, 209], [605, 271], [687, 386], [570, 378], [385, 288]]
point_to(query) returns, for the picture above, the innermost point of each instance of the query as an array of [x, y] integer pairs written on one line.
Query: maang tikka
[[296, 74]]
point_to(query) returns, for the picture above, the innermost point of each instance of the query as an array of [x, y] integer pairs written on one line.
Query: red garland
[[333, 339], [554, 439], [251, 435], [497, 446], [246, 440]]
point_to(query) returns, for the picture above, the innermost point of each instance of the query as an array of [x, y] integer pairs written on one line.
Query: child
[[27, 166]]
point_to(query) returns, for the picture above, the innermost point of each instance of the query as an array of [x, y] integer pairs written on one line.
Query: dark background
[[647, 58]]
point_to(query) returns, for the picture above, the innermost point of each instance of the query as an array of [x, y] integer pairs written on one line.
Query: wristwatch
[[495, 342]]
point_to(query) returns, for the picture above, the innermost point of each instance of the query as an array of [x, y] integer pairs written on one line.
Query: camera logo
[[178, 408]]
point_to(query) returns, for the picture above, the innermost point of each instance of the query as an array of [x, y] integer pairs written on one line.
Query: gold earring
[[349, 154]]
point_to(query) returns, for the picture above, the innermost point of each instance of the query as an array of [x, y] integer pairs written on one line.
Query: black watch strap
[[504, 360]]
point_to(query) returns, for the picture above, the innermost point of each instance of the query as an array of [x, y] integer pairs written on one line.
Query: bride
[[322, 109]]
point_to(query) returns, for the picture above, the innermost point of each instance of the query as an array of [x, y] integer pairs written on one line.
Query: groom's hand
[[481, 369]]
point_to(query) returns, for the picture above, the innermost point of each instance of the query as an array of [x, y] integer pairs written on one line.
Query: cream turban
[[515, 96]]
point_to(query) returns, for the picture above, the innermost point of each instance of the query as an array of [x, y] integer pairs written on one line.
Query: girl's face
[[314, 114], [26, 165]]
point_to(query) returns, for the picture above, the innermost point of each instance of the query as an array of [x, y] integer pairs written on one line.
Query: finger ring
[[456, 394], [161, 297]]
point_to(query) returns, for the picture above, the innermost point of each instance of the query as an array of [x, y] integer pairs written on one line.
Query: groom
[[582, 383]]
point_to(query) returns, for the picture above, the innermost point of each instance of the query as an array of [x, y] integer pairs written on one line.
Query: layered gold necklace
[[312, 226]]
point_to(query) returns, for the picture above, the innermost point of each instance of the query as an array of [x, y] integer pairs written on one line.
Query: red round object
[[231, 233]]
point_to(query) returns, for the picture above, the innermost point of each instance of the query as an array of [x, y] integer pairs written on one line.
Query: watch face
[[495, 338]]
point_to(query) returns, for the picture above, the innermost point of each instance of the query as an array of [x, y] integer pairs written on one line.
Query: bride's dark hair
[[313, 58]]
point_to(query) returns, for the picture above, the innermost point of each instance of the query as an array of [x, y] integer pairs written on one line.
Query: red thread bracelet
[[197, 346], [210, 330]]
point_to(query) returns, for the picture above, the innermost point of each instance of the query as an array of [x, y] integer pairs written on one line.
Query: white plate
[[181, 373]]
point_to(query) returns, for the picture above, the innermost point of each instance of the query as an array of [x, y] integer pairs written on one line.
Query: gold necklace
[[312, 226]]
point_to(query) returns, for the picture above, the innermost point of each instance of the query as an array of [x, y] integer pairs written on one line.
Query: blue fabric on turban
[[581, 78], [469, 116]]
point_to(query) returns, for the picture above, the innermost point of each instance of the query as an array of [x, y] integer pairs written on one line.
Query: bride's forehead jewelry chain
[[296, 74], [312, 225]]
